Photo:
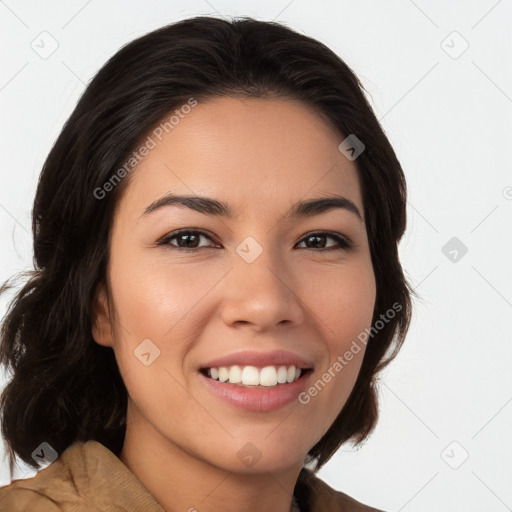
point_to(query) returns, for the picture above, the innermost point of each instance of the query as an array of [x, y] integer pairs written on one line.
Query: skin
[[260, 156]]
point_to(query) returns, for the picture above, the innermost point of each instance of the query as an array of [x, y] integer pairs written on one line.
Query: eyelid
[[344, 242], [197, 231]]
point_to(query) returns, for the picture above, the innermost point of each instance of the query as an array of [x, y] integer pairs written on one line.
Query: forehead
[[245, 152]]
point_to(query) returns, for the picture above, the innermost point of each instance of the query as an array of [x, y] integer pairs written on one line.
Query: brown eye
[[317, 241], [186, 240], [189, 240]]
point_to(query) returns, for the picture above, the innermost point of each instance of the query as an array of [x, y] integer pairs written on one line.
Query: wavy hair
[[63, 386]]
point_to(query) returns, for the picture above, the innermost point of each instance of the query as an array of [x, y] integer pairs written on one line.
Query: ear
[[100, 318]]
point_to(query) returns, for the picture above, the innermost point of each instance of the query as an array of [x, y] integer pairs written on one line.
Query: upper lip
[[262, 359]]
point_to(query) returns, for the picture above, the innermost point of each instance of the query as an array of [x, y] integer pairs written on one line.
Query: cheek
[[159, 300], [152, 302], [152, 295], [343, 299], [344, 303]]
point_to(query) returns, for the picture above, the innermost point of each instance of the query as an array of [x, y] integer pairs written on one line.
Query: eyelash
[[342, 241]]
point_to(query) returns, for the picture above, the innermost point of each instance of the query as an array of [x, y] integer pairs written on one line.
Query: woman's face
[[259, 280]]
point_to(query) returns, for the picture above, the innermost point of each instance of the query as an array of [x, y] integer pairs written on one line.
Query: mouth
[[267, 377], [258, 390]]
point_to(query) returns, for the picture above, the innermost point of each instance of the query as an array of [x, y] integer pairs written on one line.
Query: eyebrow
[[209, 206]]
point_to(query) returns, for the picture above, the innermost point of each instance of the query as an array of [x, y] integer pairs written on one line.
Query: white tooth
[[250, 376], [290, 376], [235, 374], [281, 374], [223, 374], [268, 376]]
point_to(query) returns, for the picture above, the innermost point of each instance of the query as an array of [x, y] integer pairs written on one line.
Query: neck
[[178, 480]]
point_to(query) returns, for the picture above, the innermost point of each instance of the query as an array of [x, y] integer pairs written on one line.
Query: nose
[[262, 294]]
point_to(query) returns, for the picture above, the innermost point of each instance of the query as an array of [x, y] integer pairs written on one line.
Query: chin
[[255, 457]]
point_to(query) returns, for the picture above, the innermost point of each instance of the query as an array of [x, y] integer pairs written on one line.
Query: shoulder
[[323, 498], [86, 477], [52, 489], [15, 497]]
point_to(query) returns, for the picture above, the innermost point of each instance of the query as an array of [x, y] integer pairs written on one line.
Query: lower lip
[[257, 399]]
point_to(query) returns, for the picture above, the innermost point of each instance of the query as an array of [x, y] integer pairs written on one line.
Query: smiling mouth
[[247, 379]]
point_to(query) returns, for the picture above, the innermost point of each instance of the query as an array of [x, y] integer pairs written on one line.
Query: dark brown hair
[[64, 386]]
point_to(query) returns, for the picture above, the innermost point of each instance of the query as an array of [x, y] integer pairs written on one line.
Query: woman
[[217, 280]]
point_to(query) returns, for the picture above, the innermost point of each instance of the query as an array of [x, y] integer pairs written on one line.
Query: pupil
[[315, 237], [185, 237], [188, 240]]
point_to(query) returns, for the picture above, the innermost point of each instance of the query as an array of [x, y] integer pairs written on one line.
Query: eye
[[319, 237], [188, 240]]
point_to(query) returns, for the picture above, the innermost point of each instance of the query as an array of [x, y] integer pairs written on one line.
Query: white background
[[448, 116]]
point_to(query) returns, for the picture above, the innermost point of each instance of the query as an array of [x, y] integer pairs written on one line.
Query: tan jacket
[[88, 477]]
